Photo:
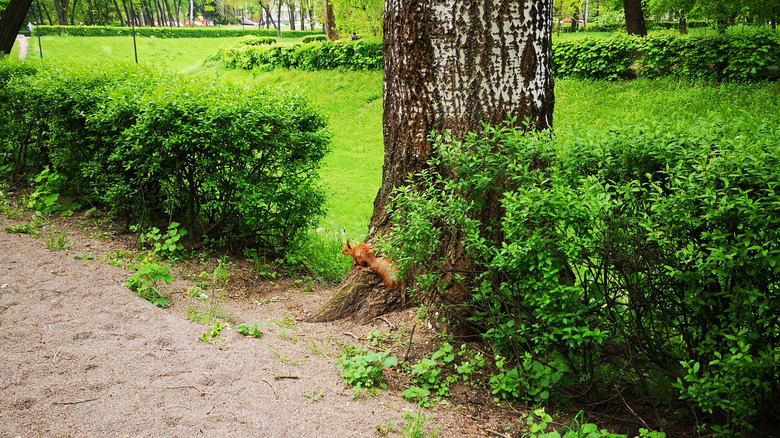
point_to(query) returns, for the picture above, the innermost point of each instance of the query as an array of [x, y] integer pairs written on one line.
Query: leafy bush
[[598, 58], [314, 38], [649, 253], [144, 281], [347, 55], [227, 162], [721, 57], [364, 368]]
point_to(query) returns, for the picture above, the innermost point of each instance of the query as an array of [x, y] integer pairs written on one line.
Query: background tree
[[361, 16], [11, 21], [635, 17], [448, 69], [329, 21]]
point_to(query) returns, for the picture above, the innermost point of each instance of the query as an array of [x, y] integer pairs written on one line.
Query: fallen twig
[[409, 348], [354, 336], [285, 377], [497, 433], [272, 387], [382, 318], [632, 411], [75, 402], [185, 387]]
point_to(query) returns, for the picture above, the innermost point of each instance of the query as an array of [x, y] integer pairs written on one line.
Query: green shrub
[[222, 160], [649, 253], [314, 38], [252, 40], [364, 368], [720, 57], [598, 58], [324, 55]]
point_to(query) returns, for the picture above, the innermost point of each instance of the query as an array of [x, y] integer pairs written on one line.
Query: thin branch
[[272, 387]]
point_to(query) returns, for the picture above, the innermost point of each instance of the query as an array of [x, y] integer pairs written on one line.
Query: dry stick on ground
[[409, 348], [285, 377], [75, 402], [202, 393], [272, 387], [632, 411], [392, 327]]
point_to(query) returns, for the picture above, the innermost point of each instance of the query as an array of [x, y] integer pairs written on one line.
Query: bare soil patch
[[82, 355]]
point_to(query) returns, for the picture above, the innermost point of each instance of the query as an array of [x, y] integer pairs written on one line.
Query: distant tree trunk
[[279, 17], [328, 21], [73, 12], [635, 18], [10, 23], [311, 19], [127, 13], [269, 17], [61, 8], [682, 24], [119, 13], [46, 13], [291, 14], [171, 19], [448, 67]]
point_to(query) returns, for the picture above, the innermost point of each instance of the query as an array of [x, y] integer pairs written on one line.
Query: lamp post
[[132, 26], [37, 30]]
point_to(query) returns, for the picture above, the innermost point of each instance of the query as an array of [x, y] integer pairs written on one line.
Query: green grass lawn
[[352, 102], [184, 55]]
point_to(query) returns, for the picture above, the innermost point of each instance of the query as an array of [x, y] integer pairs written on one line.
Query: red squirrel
[[385, 269], [362, 253], [364, 256]]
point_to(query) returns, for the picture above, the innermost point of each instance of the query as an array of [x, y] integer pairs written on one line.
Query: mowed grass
[[352, 102], [184, 55]]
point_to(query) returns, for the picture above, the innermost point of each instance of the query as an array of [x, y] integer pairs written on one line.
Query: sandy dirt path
[[80, 355], [22, 40]]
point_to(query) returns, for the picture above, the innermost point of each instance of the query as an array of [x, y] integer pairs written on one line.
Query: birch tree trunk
[[449, 66]]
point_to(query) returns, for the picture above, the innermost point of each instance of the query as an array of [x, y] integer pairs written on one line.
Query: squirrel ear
[[348, 246]]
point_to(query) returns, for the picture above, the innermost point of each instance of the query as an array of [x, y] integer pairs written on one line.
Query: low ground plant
[[57, 240], [146, 280], [364, 368]]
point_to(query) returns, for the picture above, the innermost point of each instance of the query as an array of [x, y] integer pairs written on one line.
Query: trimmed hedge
[[719, 57], [172, 32], [236, 165], [344, 54]]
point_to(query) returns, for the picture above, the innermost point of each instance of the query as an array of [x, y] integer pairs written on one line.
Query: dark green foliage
[[720, 57], [314, 38], [598, 58], [172, 32], [647, 257], [252, 40], [228, 163], [346, 55]]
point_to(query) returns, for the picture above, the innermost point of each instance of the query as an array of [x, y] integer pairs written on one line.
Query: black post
[[132, 25], [37, 29]]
